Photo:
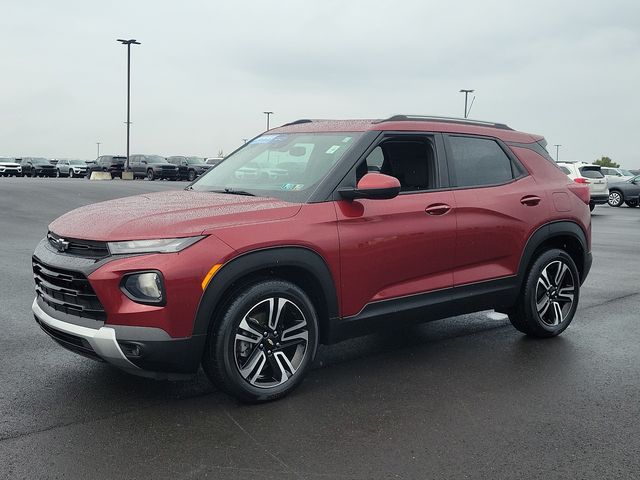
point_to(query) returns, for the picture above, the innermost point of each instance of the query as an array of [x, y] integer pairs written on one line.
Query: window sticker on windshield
[[292, 186], [265, 139], [333, 149], [346, 139]]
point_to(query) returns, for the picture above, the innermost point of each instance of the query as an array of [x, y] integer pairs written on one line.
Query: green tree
[[606, 162]]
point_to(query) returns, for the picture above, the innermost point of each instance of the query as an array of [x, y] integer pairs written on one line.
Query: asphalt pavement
[[467, 397]]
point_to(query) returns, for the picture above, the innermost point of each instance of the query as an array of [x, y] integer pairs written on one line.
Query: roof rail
[[461, 121], [298, 122]]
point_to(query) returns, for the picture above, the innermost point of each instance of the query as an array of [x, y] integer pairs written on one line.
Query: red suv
[[311, 233]]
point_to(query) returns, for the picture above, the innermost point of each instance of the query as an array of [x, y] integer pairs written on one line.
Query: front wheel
[[150, 175], [632, 203], [615, 198], [263, 342], [550, 296], [192, 175]]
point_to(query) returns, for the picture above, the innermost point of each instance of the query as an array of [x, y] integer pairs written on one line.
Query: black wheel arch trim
[[547, 232], [256, 260]]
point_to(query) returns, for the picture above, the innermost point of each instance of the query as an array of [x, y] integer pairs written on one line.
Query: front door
[[401, 246]]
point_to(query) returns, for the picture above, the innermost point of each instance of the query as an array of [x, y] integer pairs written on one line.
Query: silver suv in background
[[71, 168], [615, 175], [587, 173]]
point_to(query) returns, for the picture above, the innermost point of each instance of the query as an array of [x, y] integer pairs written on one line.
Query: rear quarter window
[[480, 161]]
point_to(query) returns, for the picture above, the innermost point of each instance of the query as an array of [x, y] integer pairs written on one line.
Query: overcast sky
[[206, 70]]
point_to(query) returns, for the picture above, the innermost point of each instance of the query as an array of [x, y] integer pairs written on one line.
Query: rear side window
[[590, 173], [480, 161], [565, 170]]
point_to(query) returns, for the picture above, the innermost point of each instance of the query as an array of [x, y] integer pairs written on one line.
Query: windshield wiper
[[232, 191]]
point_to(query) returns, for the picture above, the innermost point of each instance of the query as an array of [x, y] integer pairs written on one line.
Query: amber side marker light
[[210, 275]]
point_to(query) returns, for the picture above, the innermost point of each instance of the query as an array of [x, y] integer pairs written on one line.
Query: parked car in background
[[152, 167], [71, 168], [246, 275], [214, 161], [189, 168], [113, 164], [625, 192], [589, 174], [635, 172], [10, 167], [37, 167], [614, 175]]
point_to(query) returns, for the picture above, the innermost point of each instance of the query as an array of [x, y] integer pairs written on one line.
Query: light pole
[[268, 114], [557, 145], [98, 144], [466, 97], [128, 43]]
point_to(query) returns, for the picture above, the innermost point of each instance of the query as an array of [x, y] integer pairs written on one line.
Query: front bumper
[[150, 352]]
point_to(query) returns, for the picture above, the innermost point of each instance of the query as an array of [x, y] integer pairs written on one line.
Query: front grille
[[67, 291], [71, 342], [168, 167], [79, 248]]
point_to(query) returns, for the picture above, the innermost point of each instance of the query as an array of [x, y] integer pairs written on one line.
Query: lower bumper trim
[[102, 340]]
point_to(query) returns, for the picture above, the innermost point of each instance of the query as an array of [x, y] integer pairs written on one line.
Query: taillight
[[581, 180]]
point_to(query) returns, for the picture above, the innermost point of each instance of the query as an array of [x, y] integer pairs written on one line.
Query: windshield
[[40, 161], [288, 166], [195, 160], [155, 159], [626, 173], [76, 162]]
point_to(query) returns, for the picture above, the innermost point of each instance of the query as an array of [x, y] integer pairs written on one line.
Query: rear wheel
[[615, 198], [57, 175], [263, 343], [550, 296]]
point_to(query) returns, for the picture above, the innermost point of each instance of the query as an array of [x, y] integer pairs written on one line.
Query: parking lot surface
[[468, 397]]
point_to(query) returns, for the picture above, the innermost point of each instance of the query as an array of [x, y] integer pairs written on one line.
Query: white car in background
[[614, 175], [9, 167], [581, 172]]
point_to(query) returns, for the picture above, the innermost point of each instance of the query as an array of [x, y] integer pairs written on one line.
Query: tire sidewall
[[225, 338], [532, 281]]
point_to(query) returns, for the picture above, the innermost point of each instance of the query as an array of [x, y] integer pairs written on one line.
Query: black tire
[[32, 174], [616, 199], [191, 176], [150, 175], [529, 315], [57, 175], [224, 353], [632, 203], [591, 206]]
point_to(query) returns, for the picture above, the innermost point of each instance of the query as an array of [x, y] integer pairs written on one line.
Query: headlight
[[164, 245], [144, 287]]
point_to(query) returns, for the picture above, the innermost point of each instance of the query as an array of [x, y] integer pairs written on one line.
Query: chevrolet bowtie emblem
[[59, 244]]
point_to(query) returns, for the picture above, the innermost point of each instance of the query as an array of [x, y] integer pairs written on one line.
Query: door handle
[[437, 209], [530, 200]]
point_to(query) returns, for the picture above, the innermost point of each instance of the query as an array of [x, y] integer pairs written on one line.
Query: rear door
[[402, 246], [498, 206]]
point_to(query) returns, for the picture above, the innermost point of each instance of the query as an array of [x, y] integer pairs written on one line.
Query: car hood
[[9, 164], [168, 215]]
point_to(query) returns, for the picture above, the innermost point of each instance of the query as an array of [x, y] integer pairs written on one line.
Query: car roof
[[410, 123]]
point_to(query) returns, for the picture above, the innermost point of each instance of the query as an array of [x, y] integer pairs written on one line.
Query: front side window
[[410, 159], [288, 166], [479, 162]]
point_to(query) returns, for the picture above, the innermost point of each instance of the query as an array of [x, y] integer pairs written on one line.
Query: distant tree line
[[606, 162]]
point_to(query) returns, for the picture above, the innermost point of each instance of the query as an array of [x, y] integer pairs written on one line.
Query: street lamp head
[[268, 113], [466, 91], [128, 42]]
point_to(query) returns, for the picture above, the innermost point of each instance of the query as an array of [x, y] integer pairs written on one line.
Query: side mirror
[[143, 161], [375, 186]]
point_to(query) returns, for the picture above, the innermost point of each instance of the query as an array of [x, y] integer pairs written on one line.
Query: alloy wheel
[[271, 342], [615, 199], [555, 292]]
